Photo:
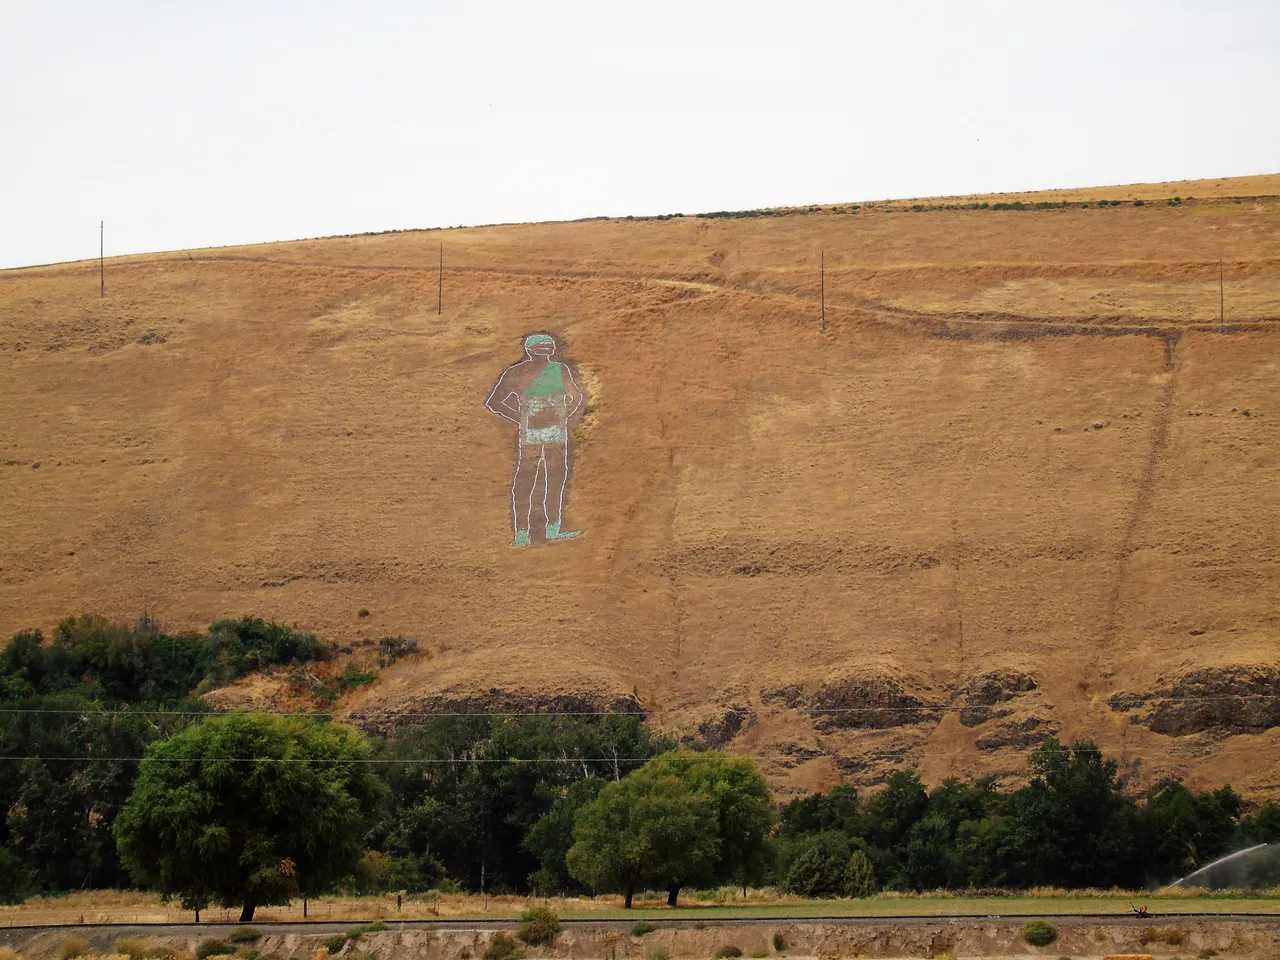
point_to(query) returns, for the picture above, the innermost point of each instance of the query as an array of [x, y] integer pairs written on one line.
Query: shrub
[[860, 877], [821, 867], [214, 948], [349, 679], [1039, 933], [1139, 203], [73, 947], [391, 649], [363, 612], [727, 952], [779, 942], [140, 948], [641, 927], [243, 935], [538, 926], [13, 874], [335, 943], [503, 947]]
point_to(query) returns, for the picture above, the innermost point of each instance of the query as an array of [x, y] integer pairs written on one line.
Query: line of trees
[[74, 705], [1072, 825], [252, 810]]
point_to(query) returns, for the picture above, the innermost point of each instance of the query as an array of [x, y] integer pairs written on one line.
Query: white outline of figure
[[515, 407]]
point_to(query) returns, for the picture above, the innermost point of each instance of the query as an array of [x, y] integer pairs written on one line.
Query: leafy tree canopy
[[116, 663], [469, 816], [741, 802], [649, 829], [248, 809], [13, 877]]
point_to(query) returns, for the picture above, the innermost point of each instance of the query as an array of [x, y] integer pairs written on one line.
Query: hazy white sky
[[187, 124]]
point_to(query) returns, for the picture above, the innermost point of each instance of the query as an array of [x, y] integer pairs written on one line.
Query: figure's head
[[539, 345]]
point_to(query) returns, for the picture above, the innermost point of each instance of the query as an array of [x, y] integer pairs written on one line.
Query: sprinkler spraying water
[[1253, 868]]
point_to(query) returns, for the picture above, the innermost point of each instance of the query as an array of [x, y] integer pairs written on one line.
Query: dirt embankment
[[1076, 938]]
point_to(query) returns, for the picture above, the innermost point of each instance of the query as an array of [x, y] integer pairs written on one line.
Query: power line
[[407, 761], [823, 287], [638, 714], [433, 760]]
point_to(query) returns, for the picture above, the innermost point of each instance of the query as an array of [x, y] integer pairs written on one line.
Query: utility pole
[[1222, 302], [440, 290], [102, 270], [822, 286]]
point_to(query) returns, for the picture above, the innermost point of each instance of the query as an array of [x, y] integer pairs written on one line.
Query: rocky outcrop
[[866, 702], [1218, 700], [1017, 734], [987, 691], [791, 695], [494, 702], [717, 731]]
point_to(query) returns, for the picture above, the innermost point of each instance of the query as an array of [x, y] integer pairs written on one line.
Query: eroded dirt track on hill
[[1020, 449]]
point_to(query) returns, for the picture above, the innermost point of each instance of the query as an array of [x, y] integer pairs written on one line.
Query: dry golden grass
[[107, 906], [1020, 444], [1265, 185]]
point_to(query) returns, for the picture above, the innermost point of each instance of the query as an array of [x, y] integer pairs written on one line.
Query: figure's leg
[[557, 460], [522, 484]]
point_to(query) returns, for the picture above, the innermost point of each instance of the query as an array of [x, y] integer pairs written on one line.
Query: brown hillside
[[1020, 484]]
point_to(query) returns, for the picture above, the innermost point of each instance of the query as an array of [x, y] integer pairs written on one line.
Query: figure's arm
[[500, 402], [573, 396]]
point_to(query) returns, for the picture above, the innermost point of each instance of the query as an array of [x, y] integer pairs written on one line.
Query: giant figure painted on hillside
[[539, 396]]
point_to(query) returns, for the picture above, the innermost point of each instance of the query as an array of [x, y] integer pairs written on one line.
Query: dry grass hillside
[[1020, 485]]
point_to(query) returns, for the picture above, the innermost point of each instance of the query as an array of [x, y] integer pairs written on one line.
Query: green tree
[[932, 857], [891, 814], [247, 810], [743, 808], [987, 852], [861, 878], [1072, 824], [928, 854], [13, 877], [77, 773], [648, 829], [471, 814], [837, 809], [133, 663], [1262, 824], [551, 838], [1182, 831], [819, 865]]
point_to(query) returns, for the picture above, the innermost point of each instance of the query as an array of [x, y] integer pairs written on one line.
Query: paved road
[[503, 923]]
